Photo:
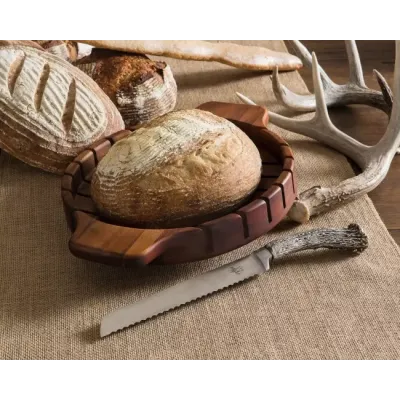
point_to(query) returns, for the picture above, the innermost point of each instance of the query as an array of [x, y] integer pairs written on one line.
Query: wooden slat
[[84, 189], [255, 218], [87, 162], [85, 204], [118, 136], [224, 233], [101, 149], [271, 169], [74, 170], [275, 198]]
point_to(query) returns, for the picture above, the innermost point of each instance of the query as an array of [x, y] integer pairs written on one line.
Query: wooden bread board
[[97, 240]]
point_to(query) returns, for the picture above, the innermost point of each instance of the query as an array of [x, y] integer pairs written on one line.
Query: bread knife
[[350, 238]]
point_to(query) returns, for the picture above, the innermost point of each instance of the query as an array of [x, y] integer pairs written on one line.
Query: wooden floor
[[364, 123]]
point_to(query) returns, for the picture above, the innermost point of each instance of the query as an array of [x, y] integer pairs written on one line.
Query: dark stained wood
[[224, 233], [274, 200], [84, 189], [364, 123], [101, 149], [74, 171], [96, 239], [67, 183], [118, 136], [87, 162], [256, 116], [256, 218], [272, 170], [266, 182], [84, 203], [268, 158]]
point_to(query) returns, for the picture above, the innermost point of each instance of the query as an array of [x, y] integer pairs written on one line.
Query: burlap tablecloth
[[315, 305]]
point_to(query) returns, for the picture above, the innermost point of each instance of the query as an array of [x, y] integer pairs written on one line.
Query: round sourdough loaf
[[49, 110], [180, 169], [142, 89]]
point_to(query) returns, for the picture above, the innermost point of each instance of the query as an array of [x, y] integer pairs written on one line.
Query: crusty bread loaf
[[68, 50], [246, 57], [182, 168], [65, 49], [30, 43], [141, 89], [49, 110]]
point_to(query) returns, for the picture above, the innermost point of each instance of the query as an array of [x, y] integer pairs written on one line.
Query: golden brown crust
[[66, 49], [247, 57], [31, 43], [49, 110], [142, 89], [114, 71], [182, 168]]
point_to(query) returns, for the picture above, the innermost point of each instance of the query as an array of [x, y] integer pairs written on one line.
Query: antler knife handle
[[350, 238]]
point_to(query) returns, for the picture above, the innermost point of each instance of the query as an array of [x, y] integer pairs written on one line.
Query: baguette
[[180, 169], [246, 57], [49, 110]]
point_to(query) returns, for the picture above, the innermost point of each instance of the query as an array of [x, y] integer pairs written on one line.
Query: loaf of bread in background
[[141, 89], [66, 49], [180, 169], [49, 110], [30, 43]]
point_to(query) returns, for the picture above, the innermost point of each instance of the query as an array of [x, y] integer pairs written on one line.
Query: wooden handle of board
[[98, 241]]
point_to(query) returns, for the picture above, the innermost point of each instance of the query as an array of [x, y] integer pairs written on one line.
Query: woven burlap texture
[[314, 305]]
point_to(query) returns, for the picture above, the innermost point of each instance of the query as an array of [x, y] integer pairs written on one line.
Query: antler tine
[[386, 92], [306, 58], [385, 89], [245, 99], [320, 127], [291, 100], [302, 52], [321, 112], [356, 71]]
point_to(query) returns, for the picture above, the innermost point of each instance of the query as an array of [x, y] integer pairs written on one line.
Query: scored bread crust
[[239, 56], [49, 110], [142, 89], [30, 43], [182, 168]]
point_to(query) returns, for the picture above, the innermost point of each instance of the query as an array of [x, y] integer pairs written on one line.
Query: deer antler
[[374, 161], [353, 92]]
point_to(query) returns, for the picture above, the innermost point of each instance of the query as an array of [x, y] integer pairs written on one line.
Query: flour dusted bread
[[49, 110], [182, 168], [246, 57], [68, 50], [141, 89]]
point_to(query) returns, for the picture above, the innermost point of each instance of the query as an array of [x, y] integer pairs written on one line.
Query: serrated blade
[[185, 292]]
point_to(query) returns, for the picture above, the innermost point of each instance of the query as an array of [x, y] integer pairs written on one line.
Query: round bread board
[[98, 240]]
